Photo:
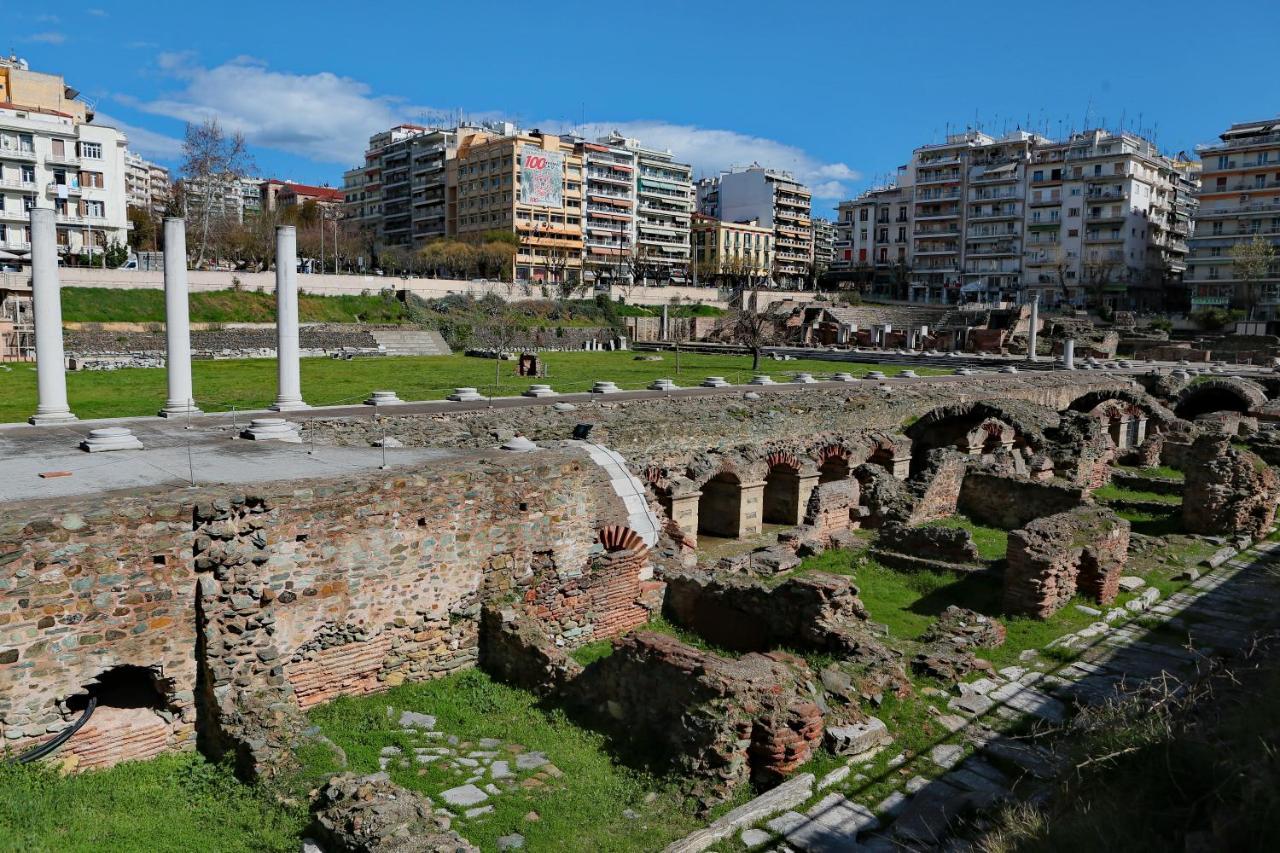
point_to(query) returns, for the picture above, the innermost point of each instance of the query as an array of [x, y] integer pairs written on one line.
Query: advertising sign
[[541, 177]]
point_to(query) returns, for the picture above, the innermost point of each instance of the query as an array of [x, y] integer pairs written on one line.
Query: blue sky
[[837, 92]]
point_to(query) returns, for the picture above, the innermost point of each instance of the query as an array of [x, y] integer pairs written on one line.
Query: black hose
[[58, 740]]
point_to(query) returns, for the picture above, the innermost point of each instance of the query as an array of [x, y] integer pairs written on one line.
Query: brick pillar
[[808, 482], [751, 508], [684, 512]]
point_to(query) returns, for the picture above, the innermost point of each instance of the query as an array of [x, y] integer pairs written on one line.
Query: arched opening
[[833, 464], [1203, 401], [782, 493], [976, 430], [883, 456], [720, 507], [134, 719]]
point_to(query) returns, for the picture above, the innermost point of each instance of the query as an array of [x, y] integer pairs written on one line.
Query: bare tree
[[213, 163], [753, 330], [1251, 262], [1098, 274]]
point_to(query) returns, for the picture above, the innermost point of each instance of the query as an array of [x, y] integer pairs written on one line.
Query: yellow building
[[731, 250], [23, 87], [529, 183]]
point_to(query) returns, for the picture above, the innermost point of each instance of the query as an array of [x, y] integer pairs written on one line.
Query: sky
[[838, 93]]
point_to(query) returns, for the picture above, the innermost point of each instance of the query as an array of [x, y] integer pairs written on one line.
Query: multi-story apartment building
[[1239, 200], [228, 197], [775, 199], [1107, 223], [52, 155], [1100, 218], [664, 207], [146, 184], [526, 182], [873, 239], [609, 232], [824, 239], [733, 252]]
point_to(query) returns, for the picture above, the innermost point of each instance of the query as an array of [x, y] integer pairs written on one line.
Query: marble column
[[1069, 354], [177, 321], [289, 386], [51, 367], [1035, 327]]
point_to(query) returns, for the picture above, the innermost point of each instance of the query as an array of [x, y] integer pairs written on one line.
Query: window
[[91, 179], [862, 215], [91, 150], [1073, 211], [1037, 175]]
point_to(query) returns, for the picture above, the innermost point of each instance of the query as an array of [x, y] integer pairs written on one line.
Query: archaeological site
[[834, 613]]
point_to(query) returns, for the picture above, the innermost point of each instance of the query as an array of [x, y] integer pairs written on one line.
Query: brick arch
[[657, 479], [619, 537], [834, 462], [952, 426], [1227, 393], [783, 459], [1148, 406]]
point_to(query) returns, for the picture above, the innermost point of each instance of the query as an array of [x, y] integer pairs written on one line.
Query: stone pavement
[[979, 765]]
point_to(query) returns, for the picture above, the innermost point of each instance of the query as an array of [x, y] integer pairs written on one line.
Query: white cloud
[[148, 143], [323, 117], [711, 150], [48, 38], [328, 118]]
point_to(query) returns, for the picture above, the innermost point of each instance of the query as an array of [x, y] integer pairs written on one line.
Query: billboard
[[541, 177]]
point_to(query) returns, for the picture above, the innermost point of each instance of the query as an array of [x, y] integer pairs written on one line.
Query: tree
[[752, 330], [1251, 262], [144, 236], [213, 163], [900, 277], [1060, 264], [116, 254], [1098, 274]]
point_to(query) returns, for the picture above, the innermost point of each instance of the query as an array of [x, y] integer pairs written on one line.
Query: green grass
[[992, 542], [582, 811], [251, 383], [591, 652], [173, 803], [696, 310], [102, 305], [1112, 492], [1163, 472]]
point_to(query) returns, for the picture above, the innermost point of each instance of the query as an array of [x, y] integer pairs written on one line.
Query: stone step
[[418, 342]]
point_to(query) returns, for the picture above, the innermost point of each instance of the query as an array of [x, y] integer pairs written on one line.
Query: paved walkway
[[978, 766]]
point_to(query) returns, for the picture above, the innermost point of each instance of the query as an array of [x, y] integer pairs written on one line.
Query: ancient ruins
[[213, 617]]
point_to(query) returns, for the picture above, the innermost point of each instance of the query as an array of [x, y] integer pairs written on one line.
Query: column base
[[288, 406], [51, 418], [174, 410]]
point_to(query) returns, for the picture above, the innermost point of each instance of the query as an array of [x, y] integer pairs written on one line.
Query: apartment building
[[1107, 224], [1239, 200], [731, 252], [774, 199], [292, 195], [398, 195], [824, 238], [51, 155], [530, 183], [873, 239], [146, 184], [609, 233], [664, 207]]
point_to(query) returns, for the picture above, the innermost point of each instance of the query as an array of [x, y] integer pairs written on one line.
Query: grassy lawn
[[251, 383], [173, 803], [992, 542], [1163, 472], [581, 810], [1111, 492], [102, 305]]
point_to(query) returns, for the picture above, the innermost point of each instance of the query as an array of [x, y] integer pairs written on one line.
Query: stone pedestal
[[843, 377], [751, 509], [804, 378], [272, 429], [51, 362], [762, 379], [908, 374], [177, 322], [715, 382], [663, 385], [876, 374], [466, 395], [110, 438], [288, 369], [684, 512], [604, 387], [383, 398], [539, 391]]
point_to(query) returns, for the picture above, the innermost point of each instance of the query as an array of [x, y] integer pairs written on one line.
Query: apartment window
[[1215, 252], [1097, 169], [1073, 232], [1073, 211], [862, 216], [1223, 161], [91, 179], [1217, 228], [95, 209], [27, 174], [1259, 181], [1221, 184], [1037, 175]]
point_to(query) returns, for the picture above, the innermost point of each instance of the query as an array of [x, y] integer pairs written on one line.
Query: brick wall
[[1011, 502]]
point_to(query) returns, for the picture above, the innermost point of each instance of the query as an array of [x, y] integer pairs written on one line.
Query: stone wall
[[314, 339], [337, 586], [1227, 491], [718, 720], [1012, 502], [832, 508], [1082, 551]]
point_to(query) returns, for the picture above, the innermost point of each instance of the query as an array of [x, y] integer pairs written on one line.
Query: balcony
[[937, 178], [937, 250], [11, 184], [1098, 218], [24, 154], [1054, 201], [1007, 213], [53, 188], [1003, 249], [62, 160], [1269, 139], [75, 219], [922, 217], [926, 233]]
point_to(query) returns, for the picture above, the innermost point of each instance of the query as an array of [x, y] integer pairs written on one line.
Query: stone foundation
[[1011, 502], [1227, 491], [1082, 551]]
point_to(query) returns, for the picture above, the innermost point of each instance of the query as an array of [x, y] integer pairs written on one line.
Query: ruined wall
[[359, 583], [1052, 559], [1011, 502], [1227, 491]]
